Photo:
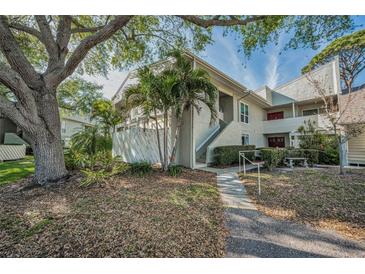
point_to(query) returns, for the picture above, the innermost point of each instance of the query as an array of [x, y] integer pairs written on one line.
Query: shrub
[[141, 168], [273, 157], [329, 156], [174, 170], [75, 159], [312, 155], [325, 144], [93, 177], [227, 155], [120, 168]]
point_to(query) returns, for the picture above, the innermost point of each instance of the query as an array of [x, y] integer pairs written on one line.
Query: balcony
[[292, 124]]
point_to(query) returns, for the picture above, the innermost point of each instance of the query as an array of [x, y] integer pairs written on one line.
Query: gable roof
[[130, 79]]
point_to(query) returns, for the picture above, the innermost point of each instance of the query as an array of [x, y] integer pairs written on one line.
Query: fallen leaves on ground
[[320, 197], [153, 216]]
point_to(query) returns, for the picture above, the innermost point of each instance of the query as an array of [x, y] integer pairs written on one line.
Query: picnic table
[[290, 161]]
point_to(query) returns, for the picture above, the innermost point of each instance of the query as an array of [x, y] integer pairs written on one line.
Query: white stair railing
[[242, 162]]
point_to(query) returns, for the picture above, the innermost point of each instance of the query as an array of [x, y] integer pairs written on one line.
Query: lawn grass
[[127, 216], [14, 170], [319, 197]]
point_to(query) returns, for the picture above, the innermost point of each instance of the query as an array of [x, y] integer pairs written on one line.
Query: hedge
[[227, 155], [275, 157], [272, 157]]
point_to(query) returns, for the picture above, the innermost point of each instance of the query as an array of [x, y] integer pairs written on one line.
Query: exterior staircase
[[201, 153]]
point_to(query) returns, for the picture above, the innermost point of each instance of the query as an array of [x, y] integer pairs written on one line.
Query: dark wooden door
[[276, 141], [275, 115]]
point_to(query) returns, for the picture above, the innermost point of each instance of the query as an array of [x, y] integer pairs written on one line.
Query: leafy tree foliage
[[104, 112], [351, 52], [78, 95]]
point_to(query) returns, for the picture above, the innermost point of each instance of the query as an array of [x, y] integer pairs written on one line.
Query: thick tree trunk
[[46, 140], [49, 160]]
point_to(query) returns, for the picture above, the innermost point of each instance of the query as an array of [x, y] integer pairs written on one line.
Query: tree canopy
[[350, 50], [78, 95], [352, 41]]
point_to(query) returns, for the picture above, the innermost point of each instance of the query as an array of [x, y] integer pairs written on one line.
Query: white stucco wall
[[301, 89]]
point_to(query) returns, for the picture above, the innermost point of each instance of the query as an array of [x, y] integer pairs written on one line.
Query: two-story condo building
[[265, 118]]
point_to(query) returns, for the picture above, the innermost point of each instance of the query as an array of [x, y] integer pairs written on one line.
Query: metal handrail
[[241, 154]]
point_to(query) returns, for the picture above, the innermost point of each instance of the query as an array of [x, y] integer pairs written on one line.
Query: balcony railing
[[292, 124]]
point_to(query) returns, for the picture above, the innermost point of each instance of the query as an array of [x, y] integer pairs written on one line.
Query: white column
[[293, 105]]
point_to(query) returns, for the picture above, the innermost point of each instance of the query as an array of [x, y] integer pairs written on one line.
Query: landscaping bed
[[155, 215], [319, 197]]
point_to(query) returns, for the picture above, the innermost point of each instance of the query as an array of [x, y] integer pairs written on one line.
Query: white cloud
[[110, 85], [272, 67], [242, 74]]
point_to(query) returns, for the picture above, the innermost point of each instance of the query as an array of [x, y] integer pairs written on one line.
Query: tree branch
[[88, 43], [29, 30], [215, 21], [63, 36], [48, 39], [11, 111], [18, 87], [15, 57]]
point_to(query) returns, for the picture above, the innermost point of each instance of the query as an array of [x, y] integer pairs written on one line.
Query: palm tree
[[177, 88], [91, 140], [153, 94], [193, 88]]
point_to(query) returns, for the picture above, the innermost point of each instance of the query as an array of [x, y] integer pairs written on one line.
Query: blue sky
[[271, 67]]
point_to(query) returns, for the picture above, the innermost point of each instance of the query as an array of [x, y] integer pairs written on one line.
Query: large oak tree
[[38, 53]]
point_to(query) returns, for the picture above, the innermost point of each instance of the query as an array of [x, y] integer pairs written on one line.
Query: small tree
[[343, 123], [104, 112]]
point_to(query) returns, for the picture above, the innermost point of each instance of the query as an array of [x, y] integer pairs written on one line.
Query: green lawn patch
[[14, 170]]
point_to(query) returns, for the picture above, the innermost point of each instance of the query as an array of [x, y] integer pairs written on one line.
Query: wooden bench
[[290, 161]]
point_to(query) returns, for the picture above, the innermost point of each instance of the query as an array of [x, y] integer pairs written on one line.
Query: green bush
[[325, 144], [94, 177], [329, 156], [120, 168], [227, 155], [141, 168], [75, 159], [312, 155], [273, 157], [174, 170]]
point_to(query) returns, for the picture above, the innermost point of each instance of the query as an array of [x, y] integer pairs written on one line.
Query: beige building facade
[[265, 118]]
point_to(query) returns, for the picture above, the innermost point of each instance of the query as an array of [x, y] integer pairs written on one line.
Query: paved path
[[253, 234]]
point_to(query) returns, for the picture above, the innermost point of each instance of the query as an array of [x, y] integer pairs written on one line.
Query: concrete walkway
[[253, 234]]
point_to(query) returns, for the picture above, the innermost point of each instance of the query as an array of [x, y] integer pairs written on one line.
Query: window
[[308, 112], [244, 113], [245, 139]]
